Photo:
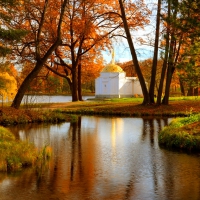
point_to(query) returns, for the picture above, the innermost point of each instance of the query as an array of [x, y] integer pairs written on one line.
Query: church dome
[[112, 68]]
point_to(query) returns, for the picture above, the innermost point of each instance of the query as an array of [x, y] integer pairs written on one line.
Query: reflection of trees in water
[[150, 130], [75, 129], [73, 172], [152, 127]]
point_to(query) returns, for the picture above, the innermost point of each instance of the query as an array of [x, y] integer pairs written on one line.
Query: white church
[[113, 83]]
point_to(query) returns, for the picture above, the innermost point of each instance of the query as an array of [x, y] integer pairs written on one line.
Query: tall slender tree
[[134, 55], [155, 56]]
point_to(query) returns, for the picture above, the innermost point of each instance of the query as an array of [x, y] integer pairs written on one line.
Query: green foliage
[[175, 136], [179, 122], [188, 69], [8, 35]]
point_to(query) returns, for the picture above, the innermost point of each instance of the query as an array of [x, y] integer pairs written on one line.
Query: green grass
[[14, 154], [183, 98], [182, 133]]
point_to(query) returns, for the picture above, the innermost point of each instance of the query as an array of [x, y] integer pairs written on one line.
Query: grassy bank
[[11, 116], [15, 154], [129, 107], [182, 133]]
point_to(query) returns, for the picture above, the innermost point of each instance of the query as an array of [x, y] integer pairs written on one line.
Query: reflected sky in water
[[104, 158]]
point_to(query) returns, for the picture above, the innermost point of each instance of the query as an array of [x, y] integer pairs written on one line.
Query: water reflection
[[104, 158]]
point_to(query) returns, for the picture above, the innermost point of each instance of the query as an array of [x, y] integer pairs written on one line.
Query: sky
[[121, 48], [122, 52]]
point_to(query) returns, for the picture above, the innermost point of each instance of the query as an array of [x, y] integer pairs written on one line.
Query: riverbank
[[182, 133], [58, 112], [128, 107], [15, 154], [11, 116], [186, 137], [131, 107]]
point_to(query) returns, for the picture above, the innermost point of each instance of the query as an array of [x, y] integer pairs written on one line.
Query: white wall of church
[[116, 85], [127, 89], [137, 88], [107, 85]]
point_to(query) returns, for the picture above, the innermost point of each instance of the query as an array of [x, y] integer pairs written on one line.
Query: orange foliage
[[86, 29]]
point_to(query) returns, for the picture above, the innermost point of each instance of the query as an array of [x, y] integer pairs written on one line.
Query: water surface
[[104, 158]]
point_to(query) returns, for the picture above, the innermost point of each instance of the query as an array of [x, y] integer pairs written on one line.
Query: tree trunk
[[190, 91], [146, 99], [170, 72], [79, 82], [25, 84], [79, 79], [173, 52], [164, 67], [74, 85], [182, 87], [155, 57], [40, 61]]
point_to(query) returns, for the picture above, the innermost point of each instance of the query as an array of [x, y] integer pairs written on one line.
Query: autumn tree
[[145, 92], [85, 32], [8, 37], [188, 67], [88, 28], [182, 21], [155, 55], [8, 83], [39, 44], [188, 70]]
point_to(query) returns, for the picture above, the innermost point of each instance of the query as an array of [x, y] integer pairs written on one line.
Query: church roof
[[112, 68]]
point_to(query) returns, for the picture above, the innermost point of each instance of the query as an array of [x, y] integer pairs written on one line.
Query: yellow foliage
[[10, 88]]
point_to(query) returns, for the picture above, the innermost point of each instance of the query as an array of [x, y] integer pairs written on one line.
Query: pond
[[104, 158]]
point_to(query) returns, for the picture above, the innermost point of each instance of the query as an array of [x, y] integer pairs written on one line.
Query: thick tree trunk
[[79, 82], [134, 56], [155, 57], [25, 84], [74, 85]]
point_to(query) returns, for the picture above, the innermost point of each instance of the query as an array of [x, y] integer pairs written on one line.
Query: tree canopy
[[67, 37]]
